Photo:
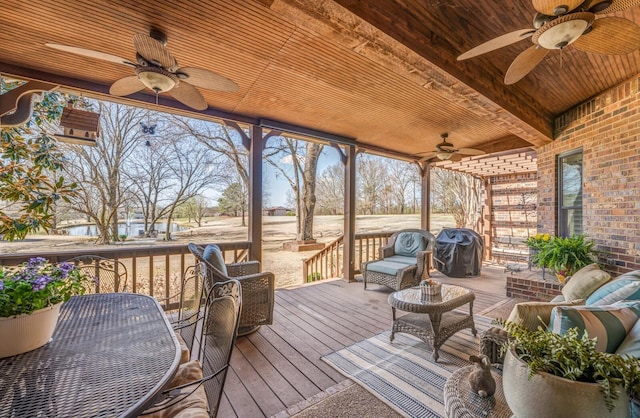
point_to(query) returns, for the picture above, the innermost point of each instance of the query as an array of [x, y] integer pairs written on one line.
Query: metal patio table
[[432, 320], [110, 355]]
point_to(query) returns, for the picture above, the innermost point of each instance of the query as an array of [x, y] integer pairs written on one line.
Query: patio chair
[[110, 275], [190, 312], [403, 261], [257, 287], [196, 390]]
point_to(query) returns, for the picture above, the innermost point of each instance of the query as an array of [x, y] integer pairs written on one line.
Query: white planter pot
[[29, 331], [546, 395]]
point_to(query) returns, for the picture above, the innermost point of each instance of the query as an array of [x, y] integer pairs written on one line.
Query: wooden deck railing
[[328, 262], [151, 270]]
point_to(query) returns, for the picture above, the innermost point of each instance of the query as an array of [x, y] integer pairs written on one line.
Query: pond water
[[131, 230]]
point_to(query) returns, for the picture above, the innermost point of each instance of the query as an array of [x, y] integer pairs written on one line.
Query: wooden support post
[[425, 200], [255, 193], [487, 215], [349, 242]]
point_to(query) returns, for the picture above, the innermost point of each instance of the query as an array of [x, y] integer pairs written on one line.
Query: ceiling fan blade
[[154, 51], [611, 36], [551, 7], [209, 80], [427, 157], [619, 5], [188, 95], [470, 151], [90, 53], [497, 43], [126, 86], [524, 63]]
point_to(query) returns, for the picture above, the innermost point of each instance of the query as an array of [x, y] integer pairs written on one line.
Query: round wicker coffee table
[[461, 402], [432, 320]]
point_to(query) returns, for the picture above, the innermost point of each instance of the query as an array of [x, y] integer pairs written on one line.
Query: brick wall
[[608, 130], [531, 286], [513, 217]]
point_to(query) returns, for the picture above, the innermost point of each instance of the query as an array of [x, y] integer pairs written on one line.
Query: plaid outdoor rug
[[402, 374]]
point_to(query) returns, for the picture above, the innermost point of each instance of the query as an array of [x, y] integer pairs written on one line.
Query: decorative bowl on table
[[429, 288]]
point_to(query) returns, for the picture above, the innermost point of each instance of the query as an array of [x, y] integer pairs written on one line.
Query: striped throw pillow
[[625, 287], [609, 324], [631, 344]]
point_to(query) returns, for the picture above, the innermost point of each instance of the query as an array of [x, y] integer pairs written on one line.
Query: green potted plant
[[542, 367], [565, 256], [30, 300]]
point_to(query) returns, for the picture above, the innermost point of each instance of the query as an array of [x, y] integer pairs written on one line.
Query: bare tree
[[219, 139], [301, 178], [98, 170], [372, 174], [330, 190], [148, 172], [401, 176], [192, 169], [196, 208], [459, 194]]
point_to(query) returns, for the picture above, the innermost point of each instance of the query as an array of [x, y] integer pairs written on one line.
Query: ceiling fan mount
[[157, 69], [560, 23]]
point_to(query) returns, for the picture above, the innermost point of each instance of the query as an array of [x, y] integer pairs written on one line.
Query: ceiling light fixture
[[444, 155], [157, 79], [563, 31]]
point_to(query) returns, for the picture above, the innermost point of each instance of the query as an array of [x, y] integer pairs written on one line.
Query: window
[[570, 194]]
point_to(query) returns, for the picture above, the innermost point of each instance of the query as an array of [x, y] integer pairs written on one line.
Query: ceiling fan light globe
[[563, 30], [563, 34], [444, 155], [156, 80]]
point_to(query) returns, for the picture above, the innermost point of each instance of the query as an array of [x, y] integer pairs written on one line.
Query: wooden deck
[[279, 366]]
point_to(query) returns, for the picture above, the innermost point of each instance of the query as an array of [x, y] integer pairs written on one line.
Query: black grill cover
[[458, 252]]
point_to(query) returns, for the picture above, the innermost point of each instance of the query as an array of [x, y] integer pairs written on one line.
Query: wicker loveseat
[[590, 301], [403, 261]]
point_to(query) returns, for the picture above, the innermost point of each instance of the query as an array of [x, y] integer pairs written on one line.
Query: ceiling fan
[[559, 23], [158, 70], [446, 150]]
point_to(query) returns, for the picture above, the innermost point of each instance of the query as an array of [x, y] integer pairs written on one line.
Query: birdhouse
[[80, 126]]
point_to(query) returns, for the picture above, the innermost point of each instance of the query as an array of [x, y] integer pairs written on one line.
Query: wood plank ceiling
[[383, 73]]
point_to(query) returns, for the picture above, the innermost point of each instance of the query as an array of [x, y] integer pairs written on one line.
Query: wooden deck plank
[[306, 377], [240, 400], [317, 323], [349, 308], [308, 346], [316, 319], [329, 314], [252, 380], [277, 384]]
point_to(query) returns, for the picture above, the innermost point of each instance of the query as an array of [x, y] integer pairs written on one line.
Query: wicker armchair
[[257, 288], [110, 275], [403, 261]]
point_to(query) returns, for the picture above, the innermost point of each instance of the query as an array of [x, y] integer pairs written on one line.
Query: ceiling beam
[[516, 110]]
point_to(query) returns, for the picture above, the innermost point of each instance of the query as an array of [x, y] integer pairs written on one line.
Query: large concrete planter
[[546, 395], [29, 331]]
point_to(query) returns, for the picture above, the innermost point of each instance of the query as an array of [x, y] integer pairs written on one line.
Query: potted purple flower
[[30, 301]]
